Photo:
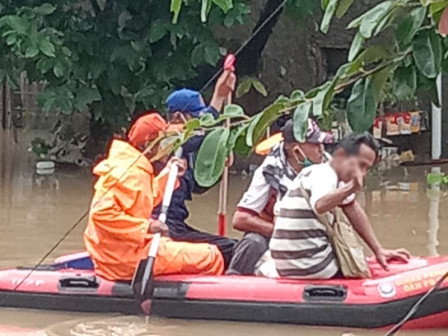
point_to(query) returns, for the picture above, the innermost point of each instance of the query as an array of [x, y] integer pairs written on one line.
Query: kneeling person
[[119, 231]]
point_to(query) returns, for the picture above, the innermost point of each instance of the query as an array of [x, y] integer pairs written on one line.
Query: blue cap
[[186, 101]]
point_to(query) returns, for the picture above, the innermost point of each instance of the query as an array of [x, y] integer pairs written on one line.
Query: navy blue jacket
[[178, 212]]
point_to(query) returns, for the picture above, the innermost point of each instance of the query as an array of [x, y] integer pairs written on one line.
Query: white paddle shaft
[[165, 203]]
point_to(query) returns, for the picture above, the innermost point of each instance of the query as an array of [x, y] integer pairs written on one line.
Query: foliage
[[410, 62], [437, 178], [109, 57], [248, 83]]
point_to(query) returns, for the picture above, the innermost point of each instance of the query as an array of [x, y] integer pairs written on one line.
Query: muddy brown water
[[36, 211]]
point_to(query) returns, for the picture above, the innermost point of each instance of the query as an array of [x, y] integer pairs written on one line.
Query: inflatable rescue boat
[[70, 284]]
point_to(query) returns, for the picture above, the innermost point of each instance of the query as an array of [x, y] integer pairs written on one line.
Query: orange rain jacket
[[117, 235]]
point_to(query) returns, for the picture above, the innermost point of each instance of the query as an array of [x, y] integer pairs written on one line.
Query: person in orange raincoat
[[119, 230]]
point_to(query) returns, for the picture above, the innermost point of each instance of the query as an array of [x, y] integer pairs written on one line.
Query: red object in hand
[[443, 23], [229, 62], [222, 225]]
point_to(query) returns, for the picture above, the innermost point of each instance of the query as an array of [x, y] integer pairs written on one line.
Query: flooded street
[[36, 211]]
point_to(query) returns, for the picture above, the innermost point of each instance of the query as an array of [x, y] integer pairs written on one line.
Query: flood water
[[36, 211]]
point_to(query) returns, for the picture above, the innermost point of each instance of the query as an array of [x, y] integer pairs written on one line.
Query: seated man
[[254, 214], [300, 246], [119, 230], [182, 106]]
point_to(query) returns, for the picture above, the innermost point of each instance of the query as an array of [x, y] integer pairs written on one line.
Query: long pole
[[434, 201], [223, 188], [436, 124]]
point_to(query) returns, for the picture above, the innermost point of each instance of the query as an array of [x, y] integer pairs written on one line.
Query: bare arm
[[333, 199], [247, 222], [360, 222], [224, 86]]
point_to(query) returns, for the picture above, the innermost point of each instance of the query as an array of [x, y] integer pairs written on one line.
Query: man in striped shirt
[[300, 246]]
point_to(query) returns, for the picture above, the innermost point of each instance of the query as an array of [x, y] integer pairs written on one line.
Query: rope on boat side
[[417, 305]]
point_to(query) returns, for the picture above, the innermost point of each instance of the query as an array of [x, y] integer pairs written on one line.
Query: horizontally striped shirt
[[300, 245]]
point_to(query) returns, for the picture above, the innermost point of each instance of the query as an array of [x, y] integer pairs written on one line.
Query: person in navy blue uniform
[[183, 105]]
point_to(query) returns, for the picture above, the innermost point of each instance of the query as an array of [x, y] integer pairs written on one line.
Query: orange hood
[[121, 158]]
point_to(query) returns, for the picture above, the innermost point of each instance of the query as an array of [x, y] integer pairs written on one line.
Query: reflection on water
[[36, 211], [136, 326]]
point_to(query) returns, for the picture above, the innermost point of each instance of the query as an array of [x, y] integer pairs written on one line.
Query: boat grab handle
[[79, 282], [324, 293]]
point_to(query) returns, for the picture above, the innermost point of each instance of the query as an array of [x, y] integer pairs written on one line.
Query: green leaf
[[157, 32], [438, 7], [46, 100], [197, 55], [45, 65], [11, 39], [429, 2], [318, 101], [371, 54], [192, 124], [428, 52], [361, 106], [251, 129], [211, 157], [372, 18], [47, 48], [405, 83], [225, 5], [207, 120], [233, 111], [176, 5], [66, 51], [234, 135], [205, 8], [266, 118], [240, 147], [31, 52], [45, 9], [434, 178], [301, 115], [343, 7], [19, 24], [356, 22], [379, 80], [211, 53], [244, 87], [356, 46], [324, 4], [329, 13], [259, 87], [84, 96], [386, 21], [58, 70], [297, 95], [409, 25]]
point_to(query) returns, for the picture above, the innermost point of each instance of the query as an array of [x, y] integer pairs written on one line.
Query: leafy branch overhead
[[412, 61], [111, 59], [129, 54]]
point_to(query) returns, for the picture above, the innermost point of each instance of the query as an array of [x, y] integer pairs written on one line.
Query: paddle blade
[[143, 284]]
